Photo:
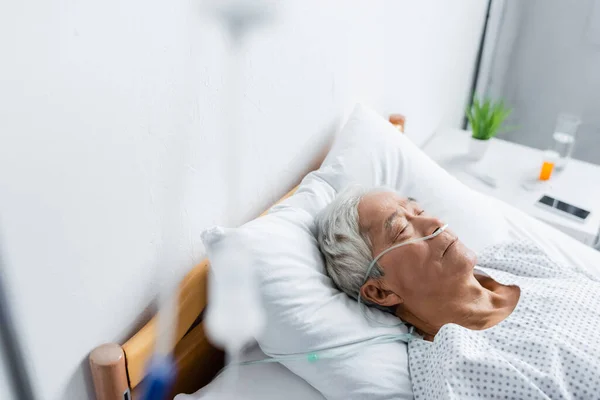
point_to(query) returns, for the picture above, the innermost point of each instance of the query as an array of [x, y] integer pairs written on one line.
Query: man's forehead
[[380, 206], [386, 198]]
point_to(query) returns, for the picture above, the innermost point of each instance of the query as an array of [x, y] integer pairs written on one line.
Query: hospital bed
[[273, 381], [119, 369]]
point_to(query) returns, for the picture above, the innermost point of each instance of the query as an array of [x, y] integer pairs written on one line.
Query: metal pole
[[17, 371]]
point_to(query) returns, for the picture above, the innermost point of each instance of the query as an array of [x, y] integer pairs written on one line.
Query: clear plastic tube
[[361, 305], [316, 355], [347, 348]]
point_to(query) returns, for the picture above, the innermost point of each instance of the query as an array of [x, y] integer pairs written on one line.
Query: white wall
[[431, 50], [94, 95], [547, 62]]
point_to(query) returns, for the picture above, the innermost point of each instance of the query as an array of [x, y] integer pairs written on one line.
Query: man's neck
[[480, 304], [484, 305]]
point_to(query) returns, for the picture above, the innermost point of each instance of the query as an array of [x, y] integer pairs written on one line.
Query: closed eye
[[400, 232]]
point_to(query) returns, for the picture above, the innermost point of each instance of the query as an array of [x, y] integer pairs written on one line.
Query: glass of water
[[564, 138]]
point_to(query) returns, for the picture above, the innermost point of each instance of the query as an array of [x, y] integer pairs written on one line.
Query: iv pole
[[238, 16], [11, 349]]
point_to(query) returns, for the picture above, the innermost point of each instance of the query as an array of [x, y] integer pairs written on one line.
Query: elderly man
[[513, 324]]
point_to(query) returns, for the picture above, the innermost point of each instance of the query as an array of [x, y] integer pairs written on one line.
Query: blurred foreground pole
[[10, 349]]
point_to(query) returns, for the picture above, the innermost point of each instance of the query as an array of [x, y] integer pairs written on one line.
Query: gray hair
[[347, 250]]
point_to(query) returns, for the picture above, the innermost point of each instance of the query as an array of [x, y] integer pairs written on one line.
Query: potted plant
[[486, 119]]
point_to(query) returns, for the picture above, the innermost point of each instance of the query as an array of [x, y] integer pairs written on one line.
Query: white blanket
[[547, 348]]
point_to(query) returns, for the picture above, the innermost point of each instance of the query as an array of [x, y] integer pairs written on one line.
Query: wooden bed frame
[[118, 370]]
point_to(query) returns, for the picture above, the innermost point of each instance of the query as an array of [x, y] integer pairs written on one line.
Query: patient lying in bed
[[508, 323]]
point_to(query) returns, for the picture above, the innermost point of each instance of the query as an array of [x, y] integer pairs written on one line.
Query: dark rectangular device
[[563, 208]]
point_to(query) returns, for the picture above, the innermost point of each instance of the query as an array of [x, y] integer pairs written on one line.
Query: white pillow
[[304, 310], [371, 152]]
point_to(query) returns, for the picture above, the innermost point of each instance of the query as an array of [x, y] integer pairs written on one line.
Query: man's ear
[[374, 291]]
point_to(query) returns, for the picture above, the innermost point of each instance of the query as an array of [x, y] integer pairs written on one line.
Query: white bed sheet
[[273, 381], [556, 244], [262, 381]]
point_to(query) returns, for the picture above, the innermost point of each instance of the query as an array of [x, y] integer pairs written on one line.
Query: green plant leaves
[[486, 118]]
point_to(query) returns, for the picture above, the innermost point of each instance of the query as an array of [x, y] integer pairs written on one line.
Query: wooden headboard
[[118, 370]]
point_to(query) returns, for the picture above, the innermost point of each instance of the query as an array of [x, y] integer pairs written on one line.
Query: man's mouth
[[450, 245]]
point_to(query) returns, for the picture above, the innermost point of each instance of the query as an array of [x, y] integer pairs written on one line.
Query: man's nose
[[428, 224]]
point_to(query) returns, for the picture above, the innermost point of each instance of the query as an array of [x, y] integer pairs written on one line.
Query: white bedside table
[[512, 165]]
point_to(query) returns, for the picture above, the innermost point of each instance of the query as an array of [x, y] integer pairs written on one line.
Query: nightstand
[[515, 168]]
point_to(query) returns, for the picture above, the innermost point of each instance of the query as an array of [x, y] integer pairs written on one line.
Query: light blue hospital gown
[[548, 348]]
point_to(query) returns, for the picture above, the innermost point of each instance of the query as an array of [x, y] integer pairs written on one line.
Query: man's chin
[[462, 255]]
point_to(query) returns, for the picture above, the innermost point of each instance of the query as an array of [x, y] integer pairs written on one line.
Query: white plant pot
[[477, 148]]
